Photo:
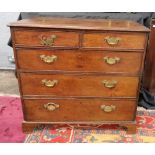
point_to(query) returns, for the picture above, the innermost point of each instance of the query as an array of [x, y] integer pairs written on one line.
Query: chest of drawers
[[79, 71]]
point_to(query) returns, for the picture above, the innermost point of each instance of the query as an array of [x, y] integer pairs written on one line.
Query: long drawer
[[85, 61], [112, 40], [44, 38], [59, 110], [78, 85]]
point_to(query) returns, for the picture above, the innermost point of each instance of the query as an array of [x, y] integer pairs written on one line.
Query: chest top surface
[[81, 24]]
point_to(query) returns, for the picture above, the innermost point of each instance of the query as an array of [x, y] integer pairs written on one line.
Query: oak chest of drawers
[[79, 71]]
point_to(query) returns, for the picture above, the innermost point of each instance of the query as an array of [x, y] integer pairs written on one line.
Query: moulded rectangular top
[[81, 24]]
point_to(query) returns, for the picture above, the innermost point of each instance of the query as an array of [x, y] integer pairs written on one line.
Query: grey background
[[5, 50]]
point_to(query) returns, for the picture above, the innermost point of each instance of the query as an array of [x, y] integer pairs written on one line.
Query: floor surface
[[8, 83], [10, 109]]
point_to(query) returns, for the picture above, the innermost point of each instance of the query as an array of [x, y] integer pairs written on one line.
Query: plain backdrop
[[5, 50]]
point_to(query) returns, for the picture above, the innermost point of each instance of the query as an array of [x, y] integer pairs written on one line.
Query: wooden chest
[[79, 71]]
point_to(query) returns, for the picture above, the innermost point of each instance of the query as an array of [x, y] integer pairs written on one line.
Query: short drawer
[[78, 85], [111, 40], [85, 61], [60, 110], [42, 38]]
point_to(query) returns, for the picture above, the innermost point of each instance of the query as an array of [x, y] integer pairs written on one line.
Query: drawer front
[[78, 85], [45, 110], [46, 38], [114, 40], [90, 61]]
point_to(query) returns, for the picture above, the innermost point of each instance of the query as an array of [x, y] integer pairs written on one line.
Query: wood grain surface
[[79, 110], [127, 40], [81, 24], [33, 38], [78, 85], [85, 61]]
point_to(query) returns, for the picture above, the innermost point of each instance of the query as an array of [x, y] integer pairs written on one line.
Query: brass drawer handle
[[51, 106], [109, 84], [108, 108], [48, 41], [48, 59], [111, 61], [112, 40], [49, 83]]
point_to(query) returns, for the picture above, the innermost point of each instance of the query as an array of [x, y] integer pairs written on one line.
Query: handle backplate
[[109, 83], [112, 40], [108, 108], [48, 59], [51, 106], [49, 83], [110, 60], [47, 41]]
